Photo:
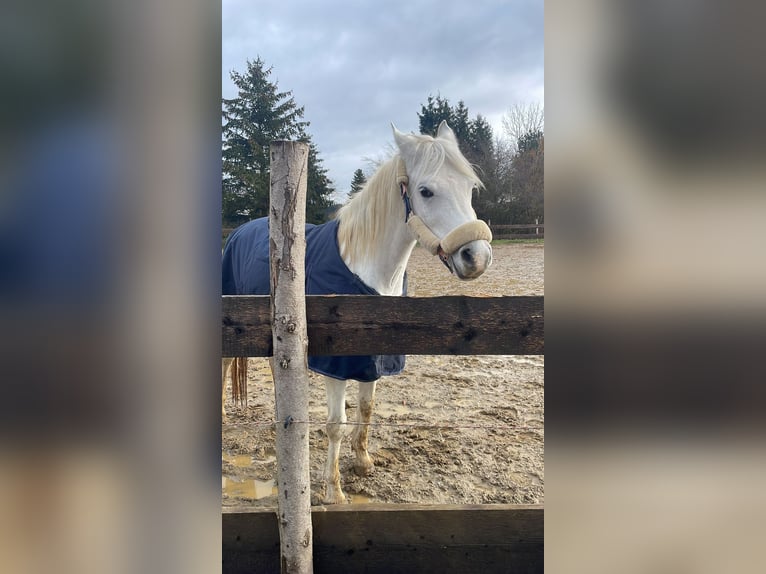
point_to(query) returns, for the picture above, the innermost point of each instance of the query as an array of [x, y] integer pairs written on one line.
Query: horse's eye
[[425, 192]]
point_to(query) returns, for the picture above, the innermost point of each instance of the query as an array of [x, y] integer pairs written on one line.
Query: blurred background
[[110, 247], [655, 283], [109, 226]]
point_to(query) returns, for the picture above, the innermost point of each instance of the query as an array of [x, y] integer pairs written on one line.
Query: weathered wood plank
[[360, 325], [396, 538]]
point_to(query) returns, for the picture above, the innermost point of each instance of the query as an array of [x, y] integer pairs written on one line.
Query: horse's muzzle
[[472, 259]]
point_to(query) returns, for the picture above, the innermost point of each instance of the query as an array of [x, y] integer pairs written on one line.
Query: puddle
[[360, 499], [245, 460], [258, 489], [238, 460], [254, 489]]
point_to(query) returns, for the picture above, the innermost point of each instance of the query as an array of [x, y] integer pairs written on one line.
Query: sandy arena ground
[[491, 452]]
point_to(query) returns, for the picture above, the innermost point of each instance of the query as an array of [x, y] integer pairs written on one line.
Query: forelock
[[430, 154]]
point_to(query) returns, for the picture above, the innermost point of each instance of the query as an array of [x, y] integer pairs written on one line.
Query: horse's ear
[[399, 137], [445, 132]]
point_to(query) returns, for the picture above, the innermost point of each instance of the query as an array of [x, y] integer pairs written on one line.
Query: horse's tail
[[239, 381]]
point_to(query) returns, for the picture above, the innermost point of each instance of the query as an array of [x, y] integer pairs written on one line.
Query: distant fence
[[518, 231]]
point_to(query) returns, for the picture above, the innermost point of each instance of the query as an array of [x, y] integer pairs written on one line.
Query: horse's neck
[[381, 266], [383, 269]]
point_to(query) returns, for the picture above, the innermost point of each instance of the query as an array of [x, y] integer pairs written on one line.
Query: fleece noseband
[[455, 239]]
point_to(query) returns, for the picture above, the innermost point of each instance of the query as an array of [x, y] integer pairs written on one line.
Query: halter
[[455, 239]]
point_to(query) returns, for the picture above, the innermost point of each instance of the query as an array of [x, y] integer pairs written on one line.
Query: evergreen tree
[[474, 136], [319, 188], [357, 183], [529, 141], [460, 123], [475, 140], [432, 113], [251, 121], [479, 142]]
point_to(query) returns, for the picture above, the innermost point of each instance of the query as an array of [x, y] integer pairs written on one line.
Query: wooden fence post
[[287, 251]]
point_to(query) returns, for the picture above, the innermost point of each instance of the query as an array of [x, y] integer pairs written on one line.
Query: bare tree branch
[[522, 119]]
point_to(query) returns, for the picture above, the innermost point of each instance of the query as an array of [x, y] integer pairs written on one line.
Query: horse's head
[[439, 184]]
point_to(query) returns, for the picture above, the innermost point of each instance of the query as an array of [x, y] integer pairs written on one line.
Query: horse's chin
[[467, 273], [467, 277]]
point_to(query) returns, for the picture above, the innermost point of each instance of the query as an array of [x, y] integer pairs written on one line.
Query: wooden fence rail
[[364, 325], [385, 538]]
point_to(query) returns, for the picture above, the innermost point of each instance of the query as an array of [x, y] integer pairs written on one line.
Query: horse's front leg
[[363, 465], [225, 365], [336, 417]]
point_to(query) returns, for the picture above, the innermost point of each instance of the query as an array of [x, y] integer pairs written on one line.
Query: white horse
[[422, 193]]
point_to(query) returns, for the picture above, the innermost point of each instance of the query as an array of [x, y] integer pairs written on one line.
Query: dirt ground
[[492, 406]]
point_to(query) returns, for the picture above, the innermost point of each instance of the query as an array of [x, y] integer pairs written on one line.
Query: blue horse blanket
[[245, 271]]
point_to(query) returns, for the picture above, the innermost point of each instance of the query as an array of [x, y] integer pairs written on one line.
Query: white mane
[[363, 219]]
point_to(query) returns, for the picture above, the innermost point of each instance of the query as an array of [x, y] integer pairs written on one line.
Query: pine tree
[[319, 188], [251, 121], [480, 140], [474, 136], [432, 114], [460, 123], [529, 141], [357, 183]]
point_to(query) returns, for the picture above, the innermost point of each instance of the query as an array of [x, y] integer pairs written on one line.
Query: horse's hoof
[[334, 497], [364, 469]]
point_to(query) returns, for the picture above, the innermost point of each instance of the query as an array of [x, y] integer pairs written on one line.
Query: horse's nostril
[[465, 253]]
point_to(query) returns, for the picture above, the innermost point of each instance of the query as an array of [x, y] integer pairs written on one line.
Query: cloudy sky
[[359, 66]]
